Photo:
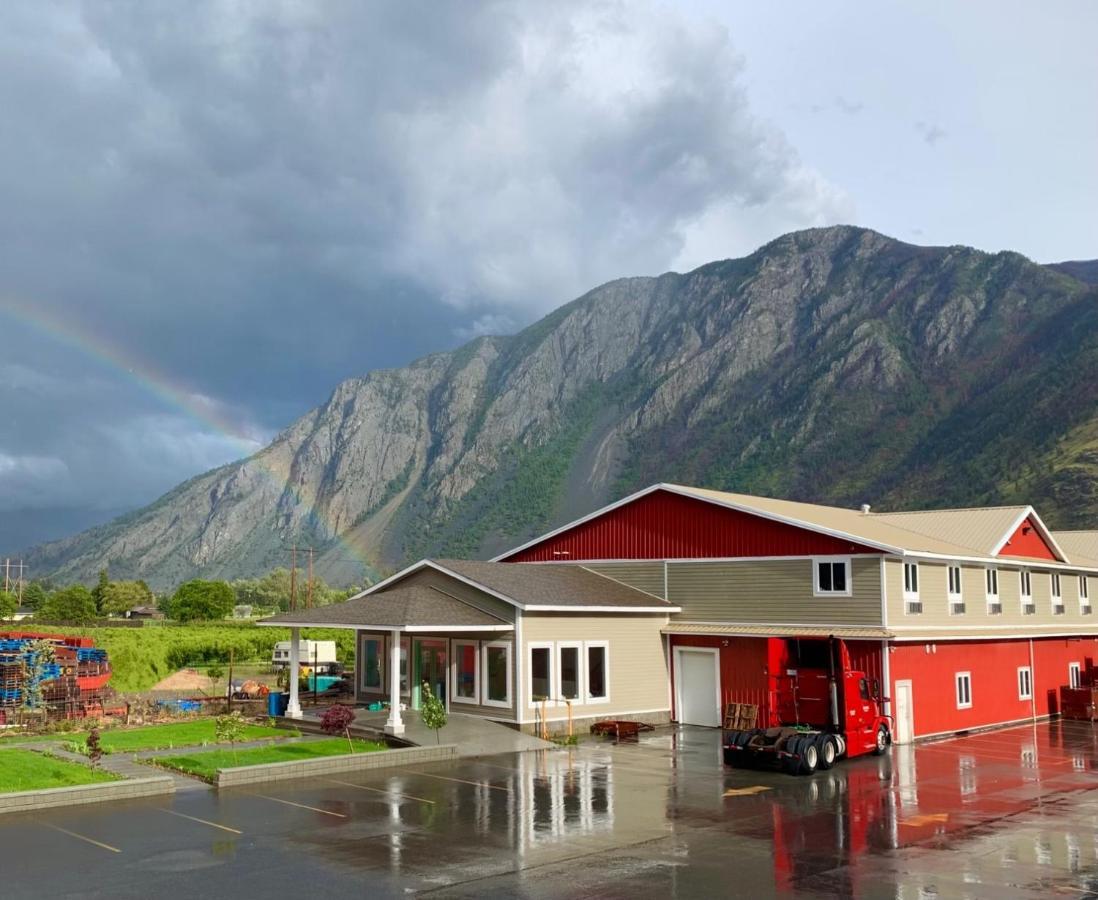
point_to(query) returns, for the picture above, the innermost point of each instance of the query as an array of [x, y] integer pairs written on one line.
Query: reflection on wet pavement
[[1003, 814]]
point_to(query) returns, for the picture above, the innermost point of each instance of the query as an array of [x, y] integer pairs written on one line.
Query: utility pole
[[7, 569], [309, 590], [293, 577]]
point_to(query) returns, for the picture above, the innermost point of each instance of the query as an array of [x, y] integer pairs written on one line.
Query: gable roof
[[958, 533], [538, 588]]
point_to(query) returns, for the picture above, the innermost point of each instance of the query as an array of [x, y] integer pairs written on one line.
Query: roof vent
[[865, 509]]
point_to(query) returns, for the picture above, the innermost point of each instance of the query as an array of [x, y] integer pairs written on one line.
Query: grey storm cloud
[[258, 199]]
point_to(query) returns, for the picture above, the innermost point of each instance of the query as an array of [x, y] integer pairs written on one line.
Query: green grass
[[206, 765], [176, 734], [25, 770]]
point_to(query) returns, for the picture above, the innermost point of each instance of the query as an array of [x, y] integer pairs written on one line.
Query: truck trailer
[[825, 710]]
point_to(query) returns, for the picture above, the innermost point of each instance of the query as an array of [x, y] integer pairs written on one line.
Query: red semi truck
[[825, 710]]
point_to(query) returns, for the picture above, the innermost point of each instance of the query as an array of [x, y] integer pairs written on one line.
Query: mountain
[[835, 365], [1083, 269]]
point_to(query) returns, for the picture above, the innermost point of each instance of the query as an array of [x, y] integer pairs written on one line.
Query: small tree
[[9, 603], [95, 750], [336, 719], [215, 672], [229, 730], [432, 710]]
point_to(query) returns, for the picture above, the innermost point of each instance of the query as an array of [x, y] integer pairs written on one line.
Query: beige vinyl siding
[[644, 576], [933, 592], [638, 675], [774, 591], [471, 595]]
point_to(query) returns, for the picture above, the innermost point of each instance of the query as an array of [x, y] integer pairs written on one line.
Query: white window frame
[[530, 648], [581, 671], [1075, 675], [991, 573], [1056, 590], [955, 599], [1084, 595], [911, 573], [833, 560], [605, 647], [957, 677], [454, 697], [384, 664], [507, 647], [1025, 692], [1025, 591]]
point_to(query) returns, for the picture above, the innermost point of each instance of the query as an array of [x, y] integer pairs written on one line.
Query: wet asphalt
[[1004, 814]]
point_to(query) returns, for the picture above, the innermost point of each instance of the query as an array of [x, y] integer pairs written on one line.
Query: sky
[[212, 213]]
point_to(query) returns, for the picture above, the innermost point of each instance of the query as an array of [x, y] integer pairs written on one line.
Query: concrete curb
[[333, 765], [79, 795]]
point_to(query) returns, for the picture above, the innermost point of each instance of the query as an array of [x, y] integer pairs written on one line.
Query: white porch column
[[395, 724], [293, 708]]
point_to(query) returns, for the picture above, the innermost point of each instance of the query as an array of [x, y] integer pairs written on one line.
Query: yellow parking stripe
[[172, 812], [82, 837], [363, 787], [326, 812], [494, 787]]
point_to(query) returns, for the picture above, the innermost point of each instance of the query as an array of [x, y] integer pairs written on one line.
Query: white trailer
[[310, 653]]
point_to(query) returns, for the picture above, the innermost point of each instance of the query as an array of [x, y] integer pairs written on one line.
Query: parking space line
[[363, 787], [172, 812], [494, 787], [326, 812], [81, 837]]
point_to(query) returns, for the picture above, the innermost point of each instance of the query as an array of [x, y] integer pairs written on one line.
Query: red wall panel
[[1027, 541], [664, 525], [994, 668]]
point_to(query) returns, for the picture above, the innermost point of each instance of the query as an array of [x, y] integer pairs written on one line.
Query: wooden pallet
[[740, 716]]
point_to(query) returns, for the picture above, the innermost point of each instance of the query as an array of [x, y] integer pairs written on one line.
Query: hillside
[[835, 365]]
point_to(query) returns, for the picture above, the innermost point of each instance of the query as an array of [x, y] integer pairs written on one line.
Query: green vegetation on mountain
[[835, 365]]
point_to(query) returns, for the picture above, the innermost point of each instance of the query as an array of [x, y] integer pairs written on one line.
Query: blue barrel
[[275, 704]]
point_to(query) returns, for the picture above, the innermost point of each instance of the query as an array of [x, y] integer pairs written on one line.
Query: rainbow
[[195, 406]]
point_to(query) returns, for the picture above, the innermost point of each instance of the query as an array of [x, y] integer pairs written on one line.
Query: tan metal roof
[[1080, 546], [806, 631], [949, 532]]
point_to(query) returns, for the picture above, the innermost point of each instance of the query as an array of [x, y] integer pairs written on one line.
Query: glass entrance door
[[431, 668]]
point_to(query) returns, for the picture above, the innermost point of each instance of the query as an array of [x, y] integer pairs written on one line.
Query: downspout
[[886, 647], [1032, 684]]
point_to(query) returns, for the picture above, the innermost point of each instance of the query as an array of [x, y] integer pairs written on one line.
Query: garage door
[[697, 681]]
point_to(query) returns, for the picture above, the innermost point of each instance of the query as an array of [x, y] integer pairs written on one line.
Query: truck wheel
[[791, 764], [829, 751], [840, 744], [880, 747], [810, 756]]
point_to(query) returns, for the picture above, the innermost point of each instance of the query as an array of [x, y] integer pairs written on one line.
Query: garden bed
[[207, 765], [26, 770], [195, 733]]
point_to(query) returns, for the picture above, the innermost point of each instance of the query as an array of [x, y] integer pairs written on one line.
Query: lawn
[[25, 770], [206, 765], [176, 734]]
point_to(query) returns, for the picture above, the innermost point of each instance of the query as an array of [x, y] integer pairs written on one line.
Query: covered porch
[[411, 638]]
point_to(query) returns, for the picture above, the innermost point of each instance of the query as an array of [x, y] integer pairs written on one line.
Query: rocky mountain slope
[[834, 364]]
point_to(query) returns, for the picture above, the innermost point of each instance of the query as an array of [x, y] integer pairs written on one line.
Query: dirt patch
[[185, 680]]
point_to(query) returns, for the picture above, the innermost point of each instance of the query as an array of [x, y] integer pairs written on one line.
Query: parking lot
[[1003, 814]]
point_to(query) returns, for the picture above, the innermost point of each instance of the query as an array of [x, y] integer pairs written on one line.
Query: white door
[[905, 714], [697, 680]]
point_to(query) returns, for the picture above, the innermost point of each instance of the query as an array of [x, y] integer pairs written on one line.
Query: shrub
[[337, 719]]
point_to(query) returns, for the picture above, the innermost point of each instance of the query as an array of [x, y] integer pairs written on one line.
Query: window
[[497, 673], [598, 672], [964, 690], [994, 607], [956, 598], [1025, 581], [1025, 683], [568, 688], [541, 672], [911, 588], [832, 577], [373, 664], [1075, 675], [1057, 595], [466, 686], [1084, 595]]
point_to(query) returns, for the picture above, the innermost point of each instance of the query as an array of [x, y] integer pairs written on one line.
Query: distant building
[[144, 612]]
